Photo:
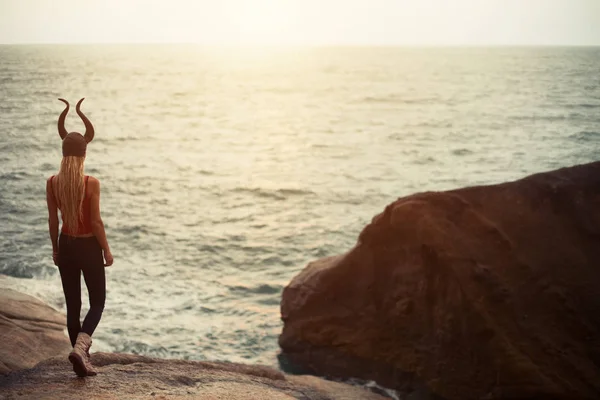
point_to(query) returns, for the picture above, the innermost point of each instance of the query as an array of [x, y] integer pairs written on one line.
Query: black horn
[[89, 128], [61, 120]]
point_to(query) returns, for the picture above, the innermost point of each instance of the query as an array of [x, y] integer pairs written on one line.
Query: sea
[[225, 170]]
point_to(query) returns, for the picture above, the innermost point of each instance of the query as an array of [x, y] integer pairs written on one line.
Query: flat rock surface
[[30, 331], [482, 292], [131, 377]]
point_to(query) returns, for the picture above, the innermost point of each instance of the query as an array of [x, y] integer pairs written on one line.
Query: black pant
[[75, 255]]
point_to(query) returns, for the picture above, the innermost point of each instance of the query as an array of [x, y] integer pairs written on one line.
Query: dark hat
[[74, 143]]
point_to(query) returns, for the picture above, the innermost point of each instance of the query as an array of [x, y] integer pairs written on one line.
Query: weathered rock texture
[[30, 331], [131, 377], [481, 292]]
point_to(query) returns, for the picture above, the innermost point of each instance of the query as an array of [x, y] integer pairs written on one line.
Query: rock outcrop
[[482, 292], [30, 331], [131, 377]]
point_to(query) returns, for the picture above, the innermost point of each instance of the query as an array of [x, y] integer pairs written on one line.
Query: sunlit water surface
[[225, 171]]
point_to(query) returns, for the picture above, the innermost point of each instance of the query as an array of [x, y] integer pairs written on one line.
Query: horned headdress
[[74, 144]]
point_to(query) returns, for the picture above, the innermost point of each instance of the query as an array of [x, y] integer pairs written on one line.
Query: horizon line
[[250, 45]]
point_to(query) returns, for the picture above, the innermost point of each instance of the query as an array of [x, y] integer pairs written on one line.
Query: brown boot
[[80, 356]]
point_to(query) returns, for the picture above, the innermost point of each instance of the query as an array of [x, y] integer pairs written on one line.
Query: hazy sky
[[361, 22]]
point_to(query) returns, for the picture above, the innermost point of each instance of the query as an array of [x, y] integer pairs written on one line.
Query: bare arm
[[52, 220], [96, 220]]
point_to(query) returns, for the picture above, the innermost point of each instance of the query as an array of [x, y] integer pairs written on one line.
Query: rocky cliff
[[481, 292]]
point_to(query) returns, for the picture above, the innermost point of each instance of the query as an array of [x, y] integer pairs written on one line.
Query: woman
[[82, 245]]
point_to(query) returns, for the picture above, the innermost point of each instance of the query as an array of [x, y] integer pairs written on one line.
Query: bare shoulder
[[49, 183], [93, 184]]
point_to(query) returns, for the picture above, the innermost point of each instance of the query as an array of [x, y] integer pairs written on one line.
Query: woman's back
[[84, 226]]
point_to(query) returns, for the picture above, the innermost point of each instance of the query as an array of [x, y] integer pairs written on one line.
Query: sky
[[303, 22]]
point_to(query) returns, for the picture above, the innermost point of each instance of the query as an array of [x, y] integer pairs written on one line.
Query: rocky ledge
[[478, 293], [30, 331], [132, 377]]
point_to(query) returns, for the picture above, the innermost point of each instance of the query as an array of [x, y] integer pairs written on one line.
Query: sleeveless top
[[85, 224]]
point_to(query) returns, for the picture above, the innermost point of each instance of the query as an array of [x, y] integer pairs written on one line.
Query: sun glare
[[259, 22]]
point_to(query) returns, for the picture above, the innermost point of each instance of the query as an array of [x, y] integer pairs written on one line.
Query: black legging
[[75, 255]]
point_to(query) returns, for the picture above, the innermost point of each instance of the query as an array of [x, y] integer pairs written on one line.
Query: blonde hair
[[70, 190]]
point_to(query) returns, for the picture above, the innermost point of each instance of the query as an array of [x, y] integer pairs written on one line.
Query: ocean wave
[[47, 167], [262, 193], [20, 269], [127, 138], [425, 161], [9, 208], [277, 194], [6, 109], [16, 271], [15, 176], [215, 249], [231, 219], [135, 191], [296, 192], [551, 118], [43, 93], [272, 260], [268, 301], [398, 99], [322, 146], [24, 145], [259, 289], [93, 171], [141, 348], [192, 305], [410, 131], [461, 152], [135, 230], [585, 136], [582, 105]]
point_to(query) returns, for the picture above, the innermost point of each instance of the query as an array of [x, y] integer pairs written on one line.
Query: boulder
[[481, 292], [30, 331], [132, 377]]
